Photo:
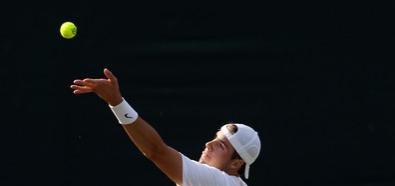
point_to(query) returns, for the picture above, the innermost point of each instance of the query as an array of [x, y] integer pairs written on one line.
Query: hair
[[233, 129]]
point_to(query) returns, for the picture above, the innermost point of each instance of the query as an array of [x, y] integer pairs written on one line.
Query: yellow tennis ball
[[68, 30]]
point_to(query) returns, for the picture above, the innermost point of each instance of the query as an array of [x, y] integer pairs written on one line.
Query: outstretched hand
[[106, 89]]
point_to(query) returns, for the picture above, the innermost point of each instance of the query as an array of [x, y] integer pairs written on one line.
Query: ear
[[236, 164]]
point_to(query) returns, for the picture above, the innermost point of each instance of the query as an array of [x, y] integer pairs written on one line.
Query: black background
[[315, 79]]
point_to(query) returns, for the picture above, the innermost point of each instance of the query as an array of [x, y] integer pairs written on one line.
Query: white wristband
[[124, 113]]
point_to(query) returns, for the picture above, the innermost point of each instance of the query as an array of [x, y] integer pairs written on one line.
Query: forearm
[[149, 142], [145, 137]]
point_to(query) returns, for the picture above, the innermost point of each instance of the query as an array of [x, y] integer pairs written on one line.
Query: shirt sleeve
[[198, 174]]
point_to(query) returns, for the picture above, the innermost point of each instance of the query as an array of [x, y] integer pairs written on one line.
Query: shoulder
[[192, 165], [196, 173]]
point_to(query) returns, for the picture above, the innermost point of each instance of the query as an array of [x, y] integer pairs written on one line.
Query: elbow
[[155, 152]]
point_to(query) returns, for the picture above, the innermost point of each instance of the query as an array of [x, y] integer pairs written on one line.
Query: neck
[[232, 173]]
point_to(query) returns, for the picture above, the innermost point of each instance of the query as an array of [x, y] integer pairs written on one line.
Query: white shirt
[[198, 174]]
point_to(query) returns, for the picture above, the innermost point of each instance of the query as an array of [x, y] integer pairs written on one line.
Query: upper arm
[[169, 161]]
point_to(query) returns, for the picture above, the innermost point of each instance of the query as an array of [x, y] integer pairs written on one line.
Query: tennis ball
[[68, 30]]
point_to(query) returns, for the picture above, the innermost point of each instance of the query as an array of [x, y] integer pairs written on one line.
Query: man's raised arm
[[143, 135]]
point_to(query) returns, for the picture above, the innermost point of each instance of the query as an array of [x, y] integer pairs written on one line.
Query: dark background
[[315, 79]]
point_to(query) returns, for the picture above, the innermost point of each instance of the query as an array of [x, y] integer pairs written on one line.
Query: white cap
[[246, 142]]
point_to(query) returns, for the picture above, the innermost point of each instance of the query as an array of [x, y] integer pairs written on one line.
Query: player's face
[[218, 152]]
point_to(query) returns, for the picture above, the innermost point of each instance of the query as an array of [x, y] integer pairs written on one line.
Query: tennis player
[[222, 163]]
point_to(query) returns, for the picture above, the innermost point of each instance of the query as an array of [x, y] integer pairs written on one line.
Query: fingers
[[81, 92], [88, 85], [92, 82], [85, 82], [79, 82], [81, 89], [83, 86]]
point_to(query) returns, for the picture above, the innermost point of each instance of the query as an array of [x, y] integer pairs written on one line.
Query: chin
[[201, 160]]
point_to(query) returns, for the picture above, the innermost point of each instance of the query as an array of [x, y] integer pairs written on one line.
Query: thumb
[[109, 75]]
